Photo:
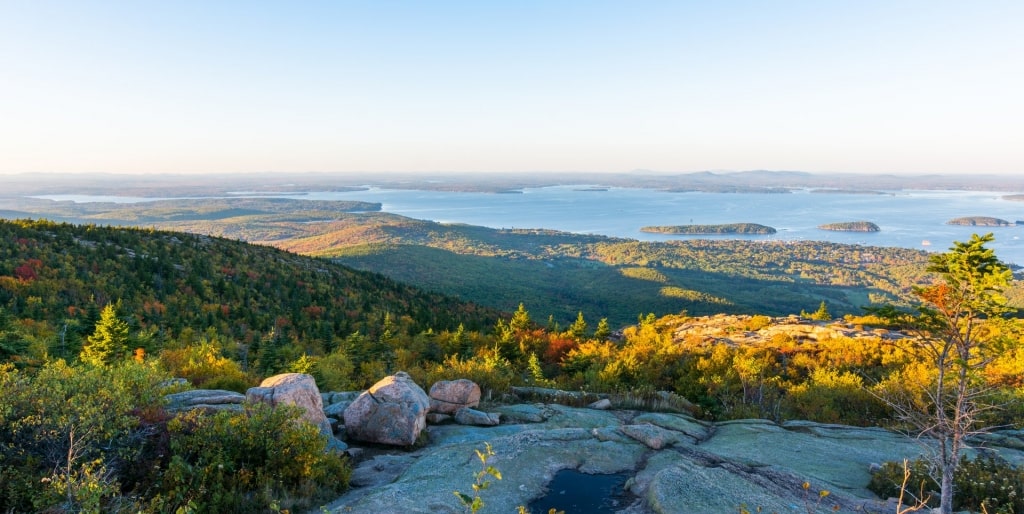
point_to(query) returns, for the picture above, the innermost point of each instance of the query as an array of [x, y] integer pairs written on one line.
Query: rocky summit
[[674, 463]]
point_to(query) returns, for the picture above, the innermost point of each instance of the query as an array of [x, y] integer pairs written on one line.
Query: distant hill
[[169, 283], [560, 274]]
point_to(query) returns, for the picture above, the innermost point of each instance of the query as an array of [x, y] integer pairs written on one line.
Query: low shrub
[[252, 461], [69, 435], [985, 484]]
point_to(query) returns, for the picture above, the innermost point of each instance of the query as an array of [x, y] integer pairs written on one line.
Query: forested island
[[728, 228], [979, 221], [851, 226], [849, 191]]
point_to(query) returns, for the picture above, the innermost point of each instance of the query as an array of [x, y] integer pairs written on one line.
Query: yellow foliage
[[202, 364]]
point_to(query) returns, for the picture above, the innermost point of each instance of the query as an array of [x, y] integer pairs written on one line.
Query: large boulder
[[393, 411], [448, 396], [297, 389]]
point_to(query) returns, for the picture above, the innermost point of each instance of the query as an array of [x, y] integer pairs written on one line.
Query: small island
[[849, 192], [851, 226], [728, 228], [979, 221]]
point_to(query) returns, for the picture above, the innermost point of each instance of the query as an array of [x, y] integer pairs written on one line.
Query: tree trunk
[[946, 493]]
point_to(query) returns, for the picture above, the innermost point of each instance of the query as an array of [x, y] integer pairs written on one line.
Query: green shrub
[[333, 372], [983, 483], [247, 462], [204, 366], [832, 396], [492, 372], [70, 434]]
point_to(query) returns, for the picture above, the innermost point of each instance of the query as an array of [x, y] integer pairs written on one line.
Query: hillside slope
[[561, 274], [169, 283]]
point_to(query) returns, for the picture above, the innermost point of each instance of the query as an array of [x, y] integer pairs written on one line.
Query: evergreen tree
[[520, 320], [822, 313], [12, 344], [578, 329], [553, 325], [388, 328], [603, 331], [108, 342], [536, 373], [956, 338]]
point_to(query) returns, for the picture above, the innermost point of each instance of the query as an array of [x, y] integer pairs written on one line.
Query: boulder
[[336, 410], [205, 399], [467, 416], [393, 412], [448, 396], [297, 389], [602, 404]]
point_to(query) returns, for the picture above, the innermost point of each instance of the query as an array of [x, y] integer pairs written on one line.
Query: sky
[[199, 86]]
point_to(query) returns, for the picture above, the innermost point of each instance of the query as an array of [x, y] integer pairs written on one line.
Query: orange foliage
[[558, 348]]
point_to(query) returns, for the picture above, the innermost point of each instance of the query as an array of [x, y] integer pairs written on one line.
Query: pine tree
[[578, 329], [603, 331], [108, 342], [822, 313], [955, 337], [553, 325], [520, 320], [536, 373]]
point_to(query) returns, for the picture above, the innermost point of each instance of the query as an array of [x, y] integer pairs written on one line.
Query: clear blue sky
[[234, 86]]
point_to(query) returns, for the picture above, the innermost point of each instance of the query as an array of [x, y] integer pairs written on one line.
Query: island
[[1014, 198], [851, 226], [728, 228], [849, 192], [979, 221]]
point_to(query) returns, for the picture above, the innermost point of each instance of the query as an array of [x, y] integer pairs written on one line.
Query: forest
[[83, 305], [556, 273]]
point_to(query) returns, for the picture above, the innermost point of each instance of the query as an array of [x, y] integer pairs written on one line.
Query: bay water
[[908, 219]]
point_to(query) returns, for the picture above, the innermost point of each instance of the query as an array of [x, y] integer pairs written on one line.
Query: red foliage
[[25, 273], [558, 347]]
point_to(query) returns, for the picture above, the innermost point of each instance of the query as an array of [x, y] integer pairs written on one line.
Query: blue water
[[909, 219], [574, 492]]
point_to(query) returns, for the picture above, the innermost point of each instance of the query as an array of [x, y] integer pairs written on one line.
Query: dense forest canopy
[[173, 285]]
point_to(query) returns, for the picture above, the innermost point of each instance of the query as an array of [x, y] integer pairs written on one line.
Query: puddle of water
[[577, 493]]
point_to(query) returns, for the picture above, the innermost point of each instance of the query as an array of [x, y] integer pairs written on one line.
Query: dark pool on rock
[[575, 492]]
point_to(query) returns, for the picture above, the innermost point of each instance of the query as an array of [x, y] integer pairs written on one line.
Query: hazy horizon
[[194, 87]]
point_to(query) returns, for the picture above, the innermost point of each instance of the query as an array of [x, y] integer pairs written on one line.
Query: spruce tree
[[822, 313], [603, 331], [579, 328], [108, 342]]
